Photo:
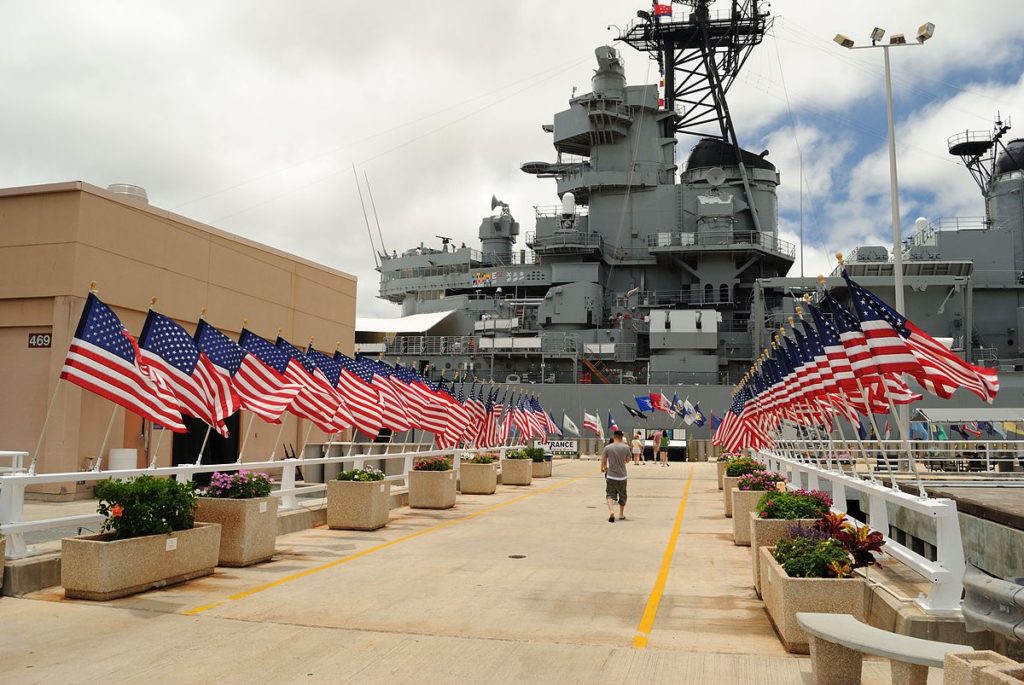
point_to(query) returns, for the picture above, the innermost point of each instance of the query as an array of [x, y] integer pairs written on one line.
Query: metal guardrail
[[564, 240], [12, 487], [725, 239], [945, 573], [17, 464], [993, 604]]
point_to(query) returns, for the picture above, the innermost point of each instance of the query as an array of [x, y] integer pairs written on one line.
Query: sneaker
[[611, 518], [622, 518]]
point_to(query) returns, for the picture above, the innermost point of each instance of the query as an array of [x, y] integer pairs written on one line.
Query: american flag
[[738, 430], [260, 388], [394, 413], [422, 399], [887, 345], [458, 418], [935, 367], [355, 383], [552, 426], [489, 434], [319, 386], [201, 391], [104, 359], [854, 341], [478, 415]]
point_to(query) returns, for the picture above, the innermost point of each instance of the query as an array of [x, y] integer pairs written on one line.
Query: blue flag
[[699, 419], [643, 403], [715, 422], [918, 430], [861, 431]]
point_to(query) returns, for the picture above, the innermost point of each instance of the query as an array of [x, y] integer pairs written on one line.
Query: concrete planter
[[743, 503], [248, 528], [721, 473], [357, 504], [478, 479], [728, 485], [542, 469], [971, 668], [101, 568], [432, 489], [3, 551], [765, 533], [516, 471], [784, 597], [1002, 675]]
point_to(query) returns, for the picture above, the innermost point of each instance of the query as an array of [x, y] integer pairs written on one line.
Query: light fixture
[[925, 31], [843, 40], [897, 39], [641, 14], [876, 35]]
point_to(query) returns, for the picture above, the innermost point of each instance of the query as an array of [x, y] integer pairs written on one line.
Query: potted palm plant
[[516, 468], [358, 499], [745, 496], [541, 462], [241, 503], [150, 540], [733, 471], [432, 484], [776, 513], [479, 475]]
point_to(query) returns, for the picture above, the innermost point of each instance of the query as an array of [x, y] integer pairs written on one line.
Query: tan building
[[56, 239]]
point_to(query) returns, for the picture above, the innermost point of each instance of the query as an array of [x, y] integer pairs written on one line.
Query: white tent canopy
[[416, 323]]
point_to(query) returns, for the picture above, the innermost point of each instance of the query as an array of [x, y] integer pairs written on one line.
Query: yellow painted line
[[643, 631], [370, 550]]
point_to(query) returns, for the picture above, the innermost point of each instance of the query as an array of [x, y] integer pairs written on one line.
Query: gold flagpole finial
[[821, 279], [152, 302], [839, 258], [202, 312], [92, 287], [245, 323], [799, 312]]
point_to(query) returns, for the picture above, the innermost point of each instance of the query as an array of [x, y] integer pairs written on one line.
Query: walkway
[[528, 585]]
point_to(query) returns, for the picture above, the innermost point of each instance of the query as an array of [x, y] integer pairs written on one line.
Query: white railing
[[341, 454], [17, 463], [945, 573]]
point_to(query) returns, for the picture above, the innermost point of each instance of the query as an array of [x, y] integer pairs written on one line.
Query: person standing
[[637, 447], [613, 466], [663, 449]]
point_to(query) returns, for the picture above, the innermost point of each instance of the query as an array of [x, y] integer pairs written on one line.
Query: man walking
[[613, 466]]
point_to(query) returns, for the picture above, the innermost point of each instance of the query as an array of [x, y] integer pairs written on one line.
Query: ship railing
[[946, 223], [570, 238], [661, 298], [482, 345], [723, 238], [812, 465], [687, 378], [550, 211], [294, 486]]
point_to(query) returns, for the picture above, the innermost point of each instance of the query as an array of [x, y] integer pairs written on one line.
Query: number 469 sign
[[39, 340]]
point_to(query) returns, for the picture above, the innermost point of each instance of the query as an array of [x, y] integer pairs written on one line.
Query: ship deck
[[530, 584]]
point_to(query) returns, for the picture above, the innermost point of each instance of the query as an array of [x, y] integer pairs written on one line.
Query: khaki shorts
[[615, 490]]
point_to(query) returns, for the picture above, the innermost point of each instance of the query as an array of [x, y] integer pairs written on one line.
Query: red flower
[[116, 510]]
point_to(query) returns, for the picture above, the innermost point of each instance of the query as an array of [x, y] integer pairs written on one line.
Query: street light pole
[[897, 235]]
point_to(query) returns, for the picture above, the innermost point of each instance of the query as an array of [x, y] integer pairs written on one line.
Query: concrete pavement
[[529, 584]]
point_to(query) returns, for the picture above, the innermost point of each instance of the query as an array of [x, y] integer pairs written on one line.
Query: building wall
[[56, 240]]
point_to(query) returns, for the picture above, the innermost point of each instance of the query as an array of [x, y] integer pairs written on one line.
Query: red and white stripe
[[263, 390], [363, 402]]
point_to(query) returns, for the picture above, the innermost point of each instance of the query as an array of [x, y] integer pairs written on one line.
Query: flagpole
[[199, 459], [245, 438], [46, 422], [106, 436], [904, 443], [874, 427], [156, 448], [277, 440]]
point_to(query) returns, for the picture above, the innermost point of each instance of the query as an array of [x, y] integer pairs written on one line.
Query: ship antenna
[[373, 206], [366, 219]]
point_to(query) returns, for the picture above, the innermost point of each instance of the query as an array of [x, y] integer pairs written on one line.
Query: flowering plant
[[483, 458], [517, 454], [433, 464], [146, 506], [800, 504], [742, 466], [861, 542], [813, 557], [368, 473], [761, 480], [239, 485]]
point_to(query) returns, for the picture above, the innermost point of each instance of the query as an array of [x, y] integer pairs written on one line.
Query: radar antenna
[[977, 150]]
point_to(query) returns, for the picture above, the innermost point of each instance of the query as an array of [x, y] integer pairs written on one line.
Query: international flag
[[643, 403], [698, 416], [201, 391], [612, 426], [552, 425], [918, 430], [635, 413], [690, 413], [104, 359], [662, 10], [715, 422], [676, 406], [593, 423], [260, 389], [862, 432], [660, 403], [972, 429], [569, 425]]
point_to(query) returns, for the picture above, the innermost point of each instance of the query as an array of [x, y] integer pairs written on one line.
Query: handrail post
[[944, 596], [12, 506], [288, 499]]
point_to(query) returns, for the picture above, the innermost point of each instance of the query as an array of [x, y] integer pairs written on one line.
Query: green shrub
[[810, 557], [517, 454], [482, 459], [146, 506], [801, 504], [366, 474], [743, 466], [433, 464], [534, 453]]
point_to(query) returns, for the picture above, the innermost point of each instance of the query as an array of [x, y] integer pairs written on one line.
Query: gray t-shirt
[[616, 454]]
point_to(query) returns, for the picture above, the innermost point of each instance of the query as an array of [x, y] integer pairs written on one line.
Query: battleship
[[671, 276]]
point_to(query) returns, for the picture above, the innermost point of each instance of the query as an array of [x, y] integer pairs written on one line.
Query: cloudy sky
[[250, 115]]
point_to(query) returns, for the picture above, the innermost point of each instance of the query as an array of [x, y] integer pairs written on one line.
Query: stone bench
[[839, 643]]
